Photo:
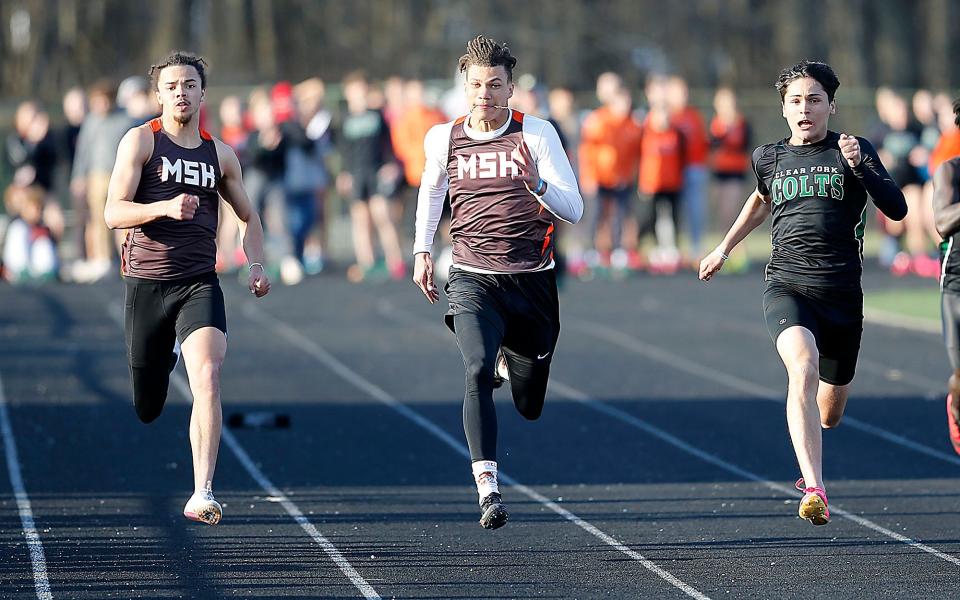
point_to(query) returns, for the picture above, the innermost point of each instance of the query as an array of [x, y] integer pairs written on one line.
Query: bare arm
[[755, 211], [120, 211], [946, 199], [251, 231]]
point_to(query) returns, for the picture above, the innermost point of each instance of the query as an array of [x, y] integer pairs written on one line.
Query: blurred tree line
[[49, 45]]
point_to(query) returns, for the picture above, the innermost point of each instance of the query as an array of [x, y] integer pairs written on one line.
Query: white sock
[[485, 476]]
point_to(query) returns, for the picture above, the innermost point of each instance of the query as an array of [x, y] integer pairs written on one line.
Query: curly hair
[[956, 111], [485, 52], [179, 58], [817, 70]]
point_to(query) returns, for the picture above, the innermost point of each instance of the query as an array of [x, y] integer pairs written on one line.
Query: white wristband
[[722, 255], [252, 265]]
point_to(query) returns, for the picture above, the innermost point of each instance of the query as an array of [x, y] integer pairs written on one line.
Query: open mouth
[[805, 124]]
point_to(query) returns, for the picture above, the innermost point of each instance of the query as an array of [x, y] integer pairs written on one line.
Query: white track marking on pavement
[[586, 400], [331, 362], [35, 546], [932, 388], [685, 365], [180, 382]]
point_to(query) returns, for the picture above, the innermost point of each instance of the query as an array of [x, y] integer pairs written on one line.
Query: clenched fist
[[850, 149], [183, 207]]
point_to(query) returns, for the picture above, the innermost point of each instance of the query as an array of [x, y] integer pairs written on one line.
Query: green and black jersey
[[820, 209]]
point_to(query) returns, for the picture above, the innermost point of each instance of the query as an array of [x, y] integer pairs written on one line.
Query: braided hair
[[485, 52]]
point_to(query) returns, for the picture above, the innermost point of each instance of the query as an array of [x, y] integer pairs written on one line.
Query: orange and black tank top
[[496, 224], [166, 248]]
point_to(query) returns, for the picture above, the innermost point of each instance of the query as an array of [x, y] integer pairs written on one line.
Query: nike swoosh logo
[[543, 357]]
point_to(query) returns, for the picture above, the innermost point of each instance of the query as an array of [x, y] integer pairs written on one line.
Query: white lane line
[[571, 393], [932, 388], [578, 396], [180, 383], [331, 362], [35, 546], [685, 365]]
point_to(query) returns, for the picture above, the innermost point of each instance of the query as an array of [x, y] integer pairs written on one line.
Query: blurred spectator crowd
[[657, 174]]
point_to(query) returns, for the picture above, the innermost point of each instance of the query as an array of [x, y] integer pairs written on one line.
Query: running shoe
[[175, 355], [813, 506], [952, 413], [203, 507], [493, 514], [500, 373]]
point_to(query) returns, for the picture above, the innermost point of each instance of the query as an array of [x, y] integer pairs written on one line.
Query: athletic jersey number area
[[496, 224], [166, 248], [820, 209]]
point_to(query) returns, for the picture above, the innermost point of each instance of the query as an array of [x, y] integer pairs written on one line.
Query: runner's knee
[[803, 370], [479, 370]]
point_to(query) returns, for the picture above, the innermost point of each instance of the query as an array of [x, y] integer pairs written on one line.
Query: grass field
[[914, 303]]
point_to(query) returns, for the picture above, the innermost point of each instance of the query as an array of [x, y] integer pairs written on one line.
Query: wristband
[[722, 255], [252, 265], [541, 187]]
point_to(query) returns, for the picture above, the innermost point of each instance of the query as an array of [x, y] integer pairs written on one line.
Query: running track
[[661, 467]]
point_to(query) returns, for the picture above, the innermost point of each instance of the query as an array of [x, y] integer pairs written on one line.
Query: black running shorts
[[833, 316], [524, 306], [158, 311], [950, 311]]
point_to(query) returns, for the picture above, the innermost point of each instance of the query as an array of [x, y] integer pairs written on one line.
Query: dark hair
[[956, 111], [485, 52], [179, 58], [814, 69]]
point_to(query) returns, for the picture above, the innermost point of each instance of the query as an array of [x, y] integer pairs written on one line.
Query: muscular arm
[[120, 211], [754, 212], [232, 190], [251, 231], [878, 183], [946, 199]]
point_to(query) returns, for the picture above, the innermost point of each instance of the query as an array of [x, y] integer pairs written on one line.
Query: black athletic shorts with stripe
[[523, 307], [156, 313], [833, 315]]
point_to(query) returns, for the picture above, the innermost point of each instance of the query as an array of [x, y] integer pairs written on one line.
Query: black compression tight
[[479, 340]]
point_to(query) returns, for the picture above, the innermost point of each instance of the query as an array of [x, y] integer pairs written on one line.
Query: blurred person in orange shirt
[[694, 196], [948, 146], [662, 160], [410, 128], [729, 160], [609, 157]]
